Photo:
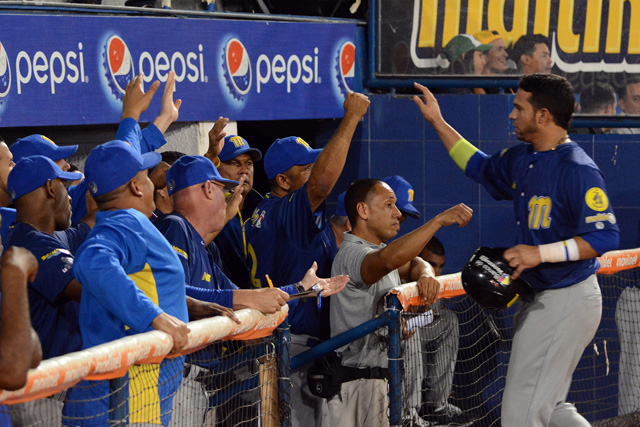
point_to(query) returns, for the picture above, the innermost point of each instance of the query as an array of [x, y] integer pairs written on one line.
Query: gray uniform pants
[[432, 351], [628, 321], [551, 334]]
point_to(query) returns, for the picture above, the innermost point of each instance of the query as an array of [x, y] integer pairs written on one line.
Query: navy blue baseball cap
[[340, 209], [288, 152], [235, 145], [115, 163], [192, 170], [404, 195], [33, 172], [40, 145]]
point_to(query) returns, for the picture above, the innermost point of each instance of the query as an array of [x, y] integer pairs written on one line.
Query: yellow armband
[[461, 152]]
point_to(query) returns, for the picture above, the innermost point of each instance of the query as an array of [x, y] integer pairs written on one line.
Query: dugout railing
[[264, 352]]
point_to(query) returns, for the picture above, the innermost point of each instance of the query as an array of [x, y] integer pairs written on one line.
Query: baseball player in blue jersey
[[286, 232], [564, 220], [128, 273]]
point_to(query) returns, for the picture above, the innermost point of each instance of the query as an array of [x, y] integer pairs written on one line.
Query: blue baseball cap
[[40, 145], [192, 170], [340, 209], [235, 145], [33, 172], [404, 195], [115, 163], [288, 152]]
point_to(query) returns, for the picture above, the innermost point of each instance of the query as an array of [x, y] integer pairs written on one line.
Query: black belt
[[350, 374]]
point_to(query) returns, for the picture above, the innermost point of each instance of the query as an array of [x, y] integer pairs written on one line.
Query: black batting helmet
[[486, 278]]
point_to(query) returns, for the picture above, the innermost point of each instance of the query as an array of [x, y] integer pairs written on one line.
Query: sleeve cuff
[[461, 152]]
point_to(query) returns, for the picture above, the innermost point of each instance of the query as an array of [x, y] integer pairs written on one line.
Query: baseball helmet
[[486, 278]]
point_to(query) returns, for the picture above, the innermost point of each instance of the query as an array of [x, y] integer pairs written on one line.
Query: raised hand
[[135, 100], [460, 214], [356, 104], [169, 110]]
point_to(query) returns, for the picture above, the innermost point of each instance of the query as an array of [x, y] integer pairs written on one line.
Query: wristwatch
[[299, 287]]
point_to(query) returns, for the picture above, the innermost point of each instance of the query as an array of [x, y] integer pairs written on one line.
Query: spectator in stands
[[629, 102], [128, 273], [496, 58], [285, 235], [19, 344], [234, 162], [532, 53], [374, 269], [596, 98], [466, 56]]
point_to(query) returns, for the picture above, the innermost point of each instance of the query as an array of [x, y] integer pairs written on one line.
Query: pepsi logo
[[237, 69], [5, 74], [118, 65], [346, 67]]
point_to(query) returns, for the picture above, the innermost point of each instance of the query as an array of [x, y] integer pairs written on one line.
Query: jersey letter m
[[539, 212]]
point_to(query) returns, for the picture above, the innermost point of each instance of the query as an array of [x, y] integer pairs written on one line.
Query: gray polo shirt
[[359, 302]]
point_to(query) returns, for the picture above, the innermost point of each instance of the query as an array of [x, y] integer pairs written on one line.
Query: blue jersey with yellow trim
[[557, 194], [53, 316], [201, 272], [8, 218], [129, 274], [284, 239]]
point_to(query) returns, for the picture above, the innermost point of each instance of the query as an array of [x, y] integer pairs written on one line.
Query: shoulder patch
[[596, 199]]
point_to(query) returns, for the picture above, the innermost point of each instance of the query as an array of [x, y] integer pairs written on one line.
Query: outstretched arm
[[431, 112], [401, 251], [330, 162]]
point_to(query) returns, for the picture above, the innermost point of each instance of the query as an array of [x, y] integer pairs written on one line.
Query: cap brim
[[71, 176], [311, 157], [62, 152], [409, 210], [253, 152], [150, 160], [484, 47], [228, 184]]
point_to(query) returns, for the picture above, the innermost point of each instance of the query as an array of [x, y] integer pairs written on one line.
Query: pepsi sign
[[244, 70]]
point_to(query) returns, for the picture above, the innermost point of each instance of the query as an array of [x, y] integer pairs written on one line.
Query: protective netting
[[228, 383], [606, 383]]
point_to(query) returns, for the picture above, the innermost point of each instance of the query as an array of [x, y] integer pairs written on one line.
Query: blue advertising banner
[[71, 70]]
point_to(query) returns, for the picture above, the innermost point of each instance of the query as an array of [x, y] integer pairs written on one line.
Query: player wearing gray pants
[[551, 334]]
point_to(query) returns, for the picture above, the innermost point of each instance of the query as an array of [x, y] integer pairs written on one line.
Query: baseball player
[[564, 220]]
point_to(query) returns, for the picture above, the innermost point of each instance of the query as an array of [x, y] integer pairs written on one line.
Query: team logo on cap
[[237, 69], [118, 65], [93, 187], [5, 74], [346, 67], [171, 185], [12, 193]]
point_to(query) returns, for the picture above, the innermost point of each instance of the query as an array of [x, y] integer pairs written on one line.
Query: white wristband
[[562, 251]]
